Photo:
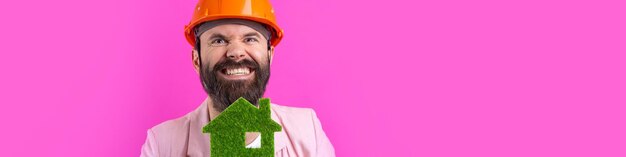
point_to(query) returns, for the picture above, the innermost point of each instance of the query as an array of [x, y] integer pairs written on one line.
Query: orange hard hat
[[254, 10]]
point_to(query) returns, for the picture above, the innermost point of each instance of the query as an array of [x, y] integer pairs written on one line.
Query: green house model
[[228, 130]]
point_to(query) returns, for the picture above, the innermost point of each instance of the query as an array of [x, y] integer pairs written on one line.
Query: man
[[234, 44]]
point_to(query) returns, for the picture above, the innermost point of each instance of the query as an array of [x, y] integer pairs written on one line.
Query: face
[[234, 62]]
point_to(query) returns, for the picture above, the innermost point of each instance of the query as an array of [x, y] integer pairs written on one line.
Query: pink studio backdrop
[[486, 78]]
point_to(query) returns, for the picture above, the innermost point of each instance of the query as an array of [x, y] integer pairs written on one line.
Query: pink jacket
[[301, 136]]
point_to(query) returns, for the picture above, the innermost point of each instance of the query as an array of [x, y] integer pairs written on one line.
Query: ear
[[195, 60], [271, 54]]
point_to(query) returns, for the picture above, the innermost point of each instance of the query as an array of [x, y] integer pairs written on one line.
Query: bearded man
[[233, 45]]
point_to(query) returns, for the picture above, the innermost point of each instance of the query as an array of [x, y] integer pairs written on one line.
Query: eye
[[218, 42], [248, 40]]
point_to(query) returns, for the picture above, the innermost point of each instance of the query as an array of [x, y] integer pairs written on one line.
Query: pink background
[[486, 78]]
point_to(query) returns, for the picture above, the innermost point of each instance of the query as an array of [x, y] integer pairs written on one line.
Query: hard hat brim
[[277, 33]]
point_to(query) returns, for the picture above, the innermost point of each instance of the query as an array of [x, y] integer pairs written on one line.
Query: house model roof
[[242, 115]]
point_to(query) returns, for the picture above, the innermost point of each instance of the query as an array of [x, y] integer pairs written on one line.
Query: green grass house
[[228, 130]]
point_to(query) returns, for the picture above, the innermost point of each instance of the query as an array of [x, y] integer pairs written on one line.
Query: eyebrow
[[217, 36], [255, 34]]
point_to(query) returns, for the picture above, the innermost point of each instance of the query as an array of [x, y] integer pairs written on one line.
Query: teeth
[[238, 71]]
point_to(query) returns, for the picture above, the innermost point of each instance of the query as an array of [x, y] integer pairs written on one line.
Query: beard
[[224, 92]]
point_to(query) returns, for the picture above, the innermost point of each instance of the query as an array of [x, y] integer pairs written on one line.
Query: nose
[[236, 52]]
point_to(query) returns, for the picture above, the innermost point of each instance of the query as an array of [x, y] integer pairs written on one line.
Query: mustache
[[228, 63]]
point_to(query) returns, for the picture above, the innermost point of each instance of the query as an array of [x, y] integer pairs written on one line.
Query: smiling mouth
[[237, 71]]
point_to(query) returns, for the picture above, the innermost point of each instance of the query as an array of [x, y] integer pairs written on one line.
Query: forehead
[[229, 30]]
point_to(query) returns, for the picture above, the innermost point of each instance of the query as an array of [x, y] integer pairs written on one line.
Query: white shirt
[[256, 143]]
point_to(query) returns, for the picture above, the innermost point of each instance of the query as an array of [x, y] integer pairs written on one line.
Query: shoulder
[[296, 120], [280, 109], [294, 114], [170, 132], [171, 125]]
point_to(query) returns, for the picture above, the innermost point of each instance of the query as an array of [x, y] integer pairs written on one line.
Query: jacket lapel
[[199, 143], [280, 138]]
